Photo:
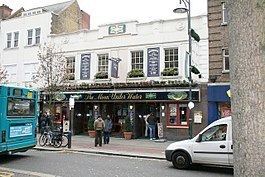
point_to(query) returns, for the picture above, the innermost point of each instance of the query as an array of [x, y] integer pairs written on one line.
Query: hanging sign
[[85, 66]]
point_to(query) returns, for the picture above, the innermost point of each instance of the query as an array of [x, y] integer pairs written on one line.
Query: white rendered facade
[[21, 61], [165, 34]]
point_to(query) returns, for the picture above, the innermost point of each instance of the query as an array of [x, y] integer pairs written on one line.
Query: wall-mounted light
[[87, 115], [79, 115], [162, 107], [131, 107], [95, 107]]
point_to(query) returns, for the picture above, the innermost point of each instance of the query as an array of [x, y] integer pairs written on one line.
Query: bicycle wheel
[[43, 140], [64, 140], [57, 142]]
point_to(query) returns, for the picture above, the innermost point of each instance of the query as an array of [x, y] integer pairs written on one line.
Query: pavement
[[142, 148]]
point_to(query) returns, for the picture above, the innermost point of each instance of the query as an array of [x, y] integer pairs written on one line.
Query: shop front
[[218, 101], [170, 107]]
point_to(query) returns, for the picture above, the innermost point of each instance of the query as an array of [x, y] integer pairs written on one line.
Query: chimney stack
[[5, 11]]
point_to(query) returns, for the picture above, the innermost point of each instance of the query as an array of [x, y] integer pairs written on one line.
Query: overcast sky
[[113, 11]]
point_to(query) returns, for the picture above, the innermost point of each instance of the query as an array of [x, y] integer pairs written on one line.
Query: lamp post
[[184, 6]]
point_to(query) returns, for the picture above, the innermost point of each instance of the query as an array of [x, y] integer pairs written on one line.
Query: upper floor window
[[225, 53], [30, 35], [16, 36], [171, 59], [9, 38], [71, 67], [37, 35], [224, 14], [103, 62], [137, 60]]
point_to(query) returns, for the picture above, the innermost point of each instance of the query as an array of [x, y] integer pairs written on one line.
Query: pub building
[[169, 105], [133, 69]]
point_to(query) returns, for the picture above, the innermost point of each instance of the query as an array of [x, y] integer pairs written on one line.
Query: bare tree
[[247, 68], [3, 74], [52, 71]]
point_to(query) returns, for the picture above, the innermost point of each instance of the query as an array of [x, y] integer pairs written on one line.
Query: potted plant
[[101, 75], [135, 73], [170, 72], [127, 129], [90, 127]]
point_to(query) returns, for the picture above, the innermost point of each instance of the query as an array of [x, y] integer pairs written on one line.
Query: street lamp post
[[183, 8]]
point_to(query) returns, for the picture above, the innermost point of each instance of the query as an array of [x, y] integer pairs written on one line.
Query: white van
[[211, 146]]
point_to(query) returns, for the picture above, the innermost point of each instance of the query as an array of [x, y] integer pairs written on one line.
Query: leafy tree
[[3, 74], [247, 68], [52, 71]]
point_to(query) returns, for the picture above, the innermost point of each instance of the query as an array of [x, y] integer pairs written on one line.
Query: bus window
[[20, 107]]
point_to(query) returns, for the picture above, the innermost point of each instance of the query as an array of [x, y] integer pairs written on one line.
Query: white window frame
[[70, 64], [172, 63], [103, 67], [225, 56], [30, 37], [8, 40], [16, 38], [224, 13], [138, 59], [37, 36]]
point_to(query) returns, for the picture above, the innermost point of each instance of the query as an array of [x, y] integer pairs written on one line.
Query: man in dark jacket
[[107, 129], [151, 120]]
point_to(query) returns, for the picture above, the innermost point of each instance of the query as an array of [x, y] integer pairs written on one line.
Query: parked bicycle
[[52, 138]]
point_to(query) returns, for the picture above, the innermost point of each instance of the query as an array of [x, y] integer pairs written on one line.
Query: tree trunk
[[247, 72]]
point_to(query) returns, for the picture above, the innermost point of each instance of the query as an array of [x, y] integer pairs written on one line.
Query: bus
[[18, 119]]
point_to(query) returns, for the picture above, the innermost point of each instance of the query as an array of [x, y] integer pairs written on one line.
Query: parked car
[[212, 146]]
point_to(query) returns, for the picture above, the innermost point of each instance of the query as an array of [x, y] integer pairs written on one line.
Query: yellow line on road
[[6, 174]]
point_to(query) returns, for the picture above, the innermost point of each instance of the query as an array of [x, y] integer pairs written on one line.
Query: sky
[[115, 11]]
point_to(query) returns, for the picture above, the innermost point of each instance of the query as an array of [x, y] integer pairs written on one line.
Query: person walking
[[152, 125], [98, 126], [107, 129]]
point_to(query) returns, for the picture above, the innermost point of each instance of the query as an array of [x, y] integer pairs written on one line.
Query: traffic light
[[195, 36]]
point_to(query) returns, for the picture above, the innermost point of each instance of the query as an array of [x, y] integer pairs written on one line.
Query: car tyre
[[180, 160]]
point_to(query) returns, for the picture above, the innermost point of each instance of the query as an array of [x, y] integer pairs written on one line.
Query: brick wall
[[5, 11], [67, 21], [218, 39]]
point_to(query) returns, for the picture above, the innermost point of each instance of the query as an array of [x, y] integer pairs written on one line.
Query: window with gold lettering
[[177, 115]]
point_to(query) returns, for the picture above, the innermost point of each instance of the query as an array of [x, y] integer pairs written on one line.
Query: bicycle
[[51, 138]]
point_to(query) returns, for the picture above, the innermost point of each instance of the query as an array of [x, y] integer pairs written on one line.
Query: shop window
[[177, 115]]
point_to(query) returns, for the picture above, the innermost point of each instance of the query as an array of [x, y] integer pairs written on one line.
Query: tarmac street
[[79, 164]]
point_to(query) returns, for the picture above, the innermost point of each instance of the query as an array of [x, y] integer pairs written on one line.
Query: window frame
[[70, 67], [171, 59], [225, 58], [37, 36], [178, 123], [103, 67], [224, 13], [16, 38], [137, 59], [30, 37], [8, 40]]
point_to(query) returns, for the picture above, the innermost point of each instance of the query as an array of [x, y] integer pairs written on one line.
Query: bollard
[[69, 139]]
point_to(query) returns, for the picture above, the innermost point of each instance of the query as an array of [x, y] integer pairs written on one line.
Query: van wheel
[[180, 160]]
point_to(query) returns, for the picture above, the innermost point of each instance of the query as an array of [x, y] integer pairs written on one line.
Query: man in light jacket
[[98, 126]]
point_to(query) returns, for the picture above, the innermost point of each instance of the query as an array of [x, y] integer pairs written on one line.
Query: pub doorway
[[141, 112]]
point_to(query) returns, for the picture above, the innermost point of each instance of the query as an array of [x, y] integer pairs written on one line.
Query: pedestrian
[[98, 126], [42, 123], [151, 120], [107, 129]]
